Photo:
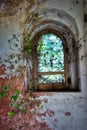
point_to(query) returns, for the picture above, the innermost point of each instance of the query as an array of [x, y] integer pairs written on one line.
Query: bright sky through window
[[50, 58]]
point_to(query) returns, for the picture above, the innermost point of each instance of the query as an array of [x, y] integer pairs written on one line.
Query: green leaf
[[11, 56], [14, 35], [28, 41], [11, 114], [16, 61], [29, 35], [11, 104], [41, 107], [23, 34], [5, 88], [16, 45], [27, 49], [25, 110], [2, 94], [14, 97], [17, 92], [18, 106]]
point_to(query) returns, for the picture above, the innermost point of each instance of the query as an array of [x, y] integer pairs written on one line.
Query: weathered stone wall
[[59, 111], [85, 38]]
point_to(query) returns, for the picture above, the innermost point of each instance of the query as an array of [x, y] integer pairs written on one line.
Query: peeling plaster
[[47, 118], [60, 111]]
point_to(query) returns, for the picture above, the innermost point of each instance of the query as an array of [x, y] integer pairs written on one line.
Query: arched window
[[50, 62], [50, 59]]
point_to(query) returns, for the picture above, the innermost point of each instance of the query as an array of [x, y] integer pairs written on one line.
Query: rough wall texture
[[58, 111]]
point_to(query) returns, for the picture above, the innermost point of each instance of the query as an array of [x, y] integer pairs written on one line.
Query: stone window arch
[[68, 82]]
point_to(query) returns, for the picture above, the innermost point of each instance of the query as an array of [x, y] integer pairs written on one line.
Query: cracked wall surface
[[57, 110]]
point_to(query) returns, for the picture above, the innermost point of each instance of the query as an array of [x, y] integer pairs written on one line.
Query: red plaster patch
[[13, 83], [2, 69], [67, 113], [38, 94], [50, 113], [45, 100], [41, 114]]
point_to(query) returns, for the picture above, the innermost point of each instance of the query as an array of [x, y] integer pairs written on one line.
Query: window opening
[[50, 62]]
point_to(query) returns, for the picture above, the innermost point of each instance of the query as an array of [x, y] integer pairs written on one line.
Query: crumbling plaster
[[61, 111]]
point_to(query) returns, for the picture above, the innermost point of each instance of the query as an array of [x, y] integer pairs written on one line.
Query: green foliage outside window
[[51, 57]]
